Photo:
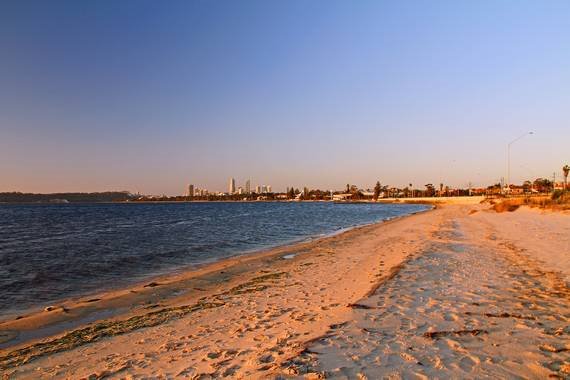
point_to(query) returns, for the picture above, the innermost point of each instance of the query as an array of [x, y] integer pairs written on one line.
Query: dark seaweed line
[[104, 329]]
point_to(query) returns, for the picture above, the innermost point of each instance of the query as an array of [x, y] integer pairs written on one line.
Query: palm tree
[[430, 190], [565, 170], [377, 190]]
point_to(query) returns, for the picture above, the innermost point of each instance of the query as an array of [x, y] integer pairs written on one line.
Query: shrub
[[557, 194]]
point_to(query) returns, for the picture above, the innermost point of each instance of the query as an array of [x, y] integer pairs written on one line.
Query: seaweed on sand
[[440, 334], [111, 328]]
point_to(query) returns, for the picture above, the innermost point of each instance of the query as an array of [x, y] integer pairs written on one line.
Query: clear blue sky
[[149, 96]]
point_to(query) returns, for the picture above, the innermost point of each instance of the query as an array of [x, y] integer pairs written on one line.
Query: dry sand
[[478, 302], [447, 293]]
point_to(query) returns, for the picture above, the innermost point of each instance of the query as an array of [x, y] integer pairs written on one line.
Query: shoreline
[[473, 199], [434, 294], [175, 270], [115, 302]]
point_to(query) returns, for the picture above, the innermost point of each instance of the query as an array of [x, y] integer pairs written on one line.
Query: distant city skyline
[[316, 94], [234, 188]]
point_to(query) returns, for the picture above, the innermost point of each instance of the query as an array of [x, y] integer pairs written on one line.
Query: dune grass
[[558, 201]]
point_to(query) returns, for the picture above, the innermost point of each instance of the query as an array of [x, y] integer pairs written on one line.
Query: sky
[[150, 96]]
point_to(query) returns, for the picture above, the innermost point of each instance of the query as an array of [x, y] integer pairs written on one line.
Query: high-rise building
[[269, 188], [232, 188], [190, 191], [248, 186], [258, 189], [240, 190]]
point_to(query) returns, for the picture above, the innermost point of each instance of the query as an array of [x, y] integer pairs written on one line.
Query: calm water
[[50, 252]]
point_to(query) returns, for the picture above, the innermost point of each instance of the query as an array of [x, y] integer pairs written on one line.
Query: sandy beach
[[459, 291]]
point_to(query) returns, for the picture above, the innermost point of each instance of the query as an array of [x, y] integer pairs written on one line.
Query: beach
[[459, 291]]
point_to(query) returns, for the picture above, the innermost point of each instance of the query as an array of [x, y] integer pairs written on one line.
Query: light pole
[[508, 185]]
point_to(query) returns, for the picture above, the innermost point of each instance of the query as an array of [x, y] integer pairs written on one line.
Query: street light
[[509, 157]]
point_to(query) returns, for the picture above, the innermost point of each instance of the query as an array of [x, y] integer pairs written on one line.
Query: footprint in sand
[[450, 317], [213, 355]]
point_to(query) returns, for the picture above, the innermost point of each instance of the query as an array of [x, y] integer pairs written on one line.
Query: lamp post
[[508, 185]]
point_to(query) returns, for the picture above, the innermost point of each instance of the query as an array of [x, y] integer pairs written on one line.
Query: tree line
[[108, 196]]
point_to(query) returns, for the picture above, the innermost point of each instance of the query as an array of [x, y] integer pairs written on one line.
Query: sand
[[477, 303], [455, 292]]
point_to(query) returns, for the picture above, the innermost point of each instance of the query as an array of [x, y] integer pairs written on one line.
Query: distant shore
[[124, 197]]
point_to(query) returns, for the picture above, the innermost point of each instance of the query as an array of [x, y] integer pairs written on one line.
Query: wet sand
[[452, 292]]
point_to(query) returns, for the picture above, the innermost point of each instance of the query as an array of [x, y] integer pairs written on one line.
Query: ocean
[[53, 252]]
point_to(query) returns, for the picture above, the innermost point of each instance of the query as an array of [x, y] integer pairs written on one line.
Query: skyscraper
[[269, 188], [248, 186], [190, 190], [232, 186]]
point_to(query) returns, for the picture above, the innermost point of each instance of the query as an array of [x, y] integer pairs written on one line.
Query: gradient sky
[[150, 96]]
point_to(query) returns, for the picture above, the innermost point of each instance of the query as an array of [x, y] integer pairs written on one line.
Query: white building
[[248, 186], [341, 197], [232, 187]]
